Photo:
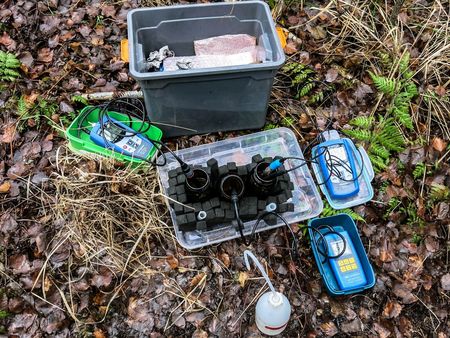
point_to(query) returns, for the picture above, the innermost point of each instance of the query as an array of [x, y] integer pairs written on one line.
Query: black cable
[[294, 246], [135, 110], [234, 200]]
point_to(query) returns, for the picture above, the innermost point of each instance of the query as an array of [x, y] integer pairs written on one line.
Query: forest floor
[[86, 247]]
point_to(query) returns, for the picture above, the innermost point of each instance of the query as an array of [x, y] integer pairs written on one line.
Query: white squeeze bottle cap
[[272, 309]]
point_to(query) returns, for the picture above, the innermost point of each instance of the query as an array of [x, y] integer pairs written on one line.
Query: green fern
[[22, 108], [329, 211], [439, 192], [8, 65], [419, 170], [359, 134], [316, 97], [379, 150], [4, 314], [306, 89], [80, 99], [287, 121], [385, 85], [363, 121], [378, 162], [404, 63]]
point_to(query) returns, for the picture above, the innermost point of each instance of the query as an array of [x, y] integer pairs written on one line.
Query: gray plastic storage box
[[204, 100]]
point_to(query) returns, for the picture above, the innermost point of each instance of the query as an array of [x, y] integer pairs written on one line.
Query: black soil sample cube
[[225, 205], [281, 198], [286, 177], [291, 186], [171, 190], [288, 194], [181, 198], [172, 182], [271, 199], [178, 208], [253, 211], [283, 186], [244, 212], [174, 197], [180, 190], [290, 207], [278, 157], [242, 170], [197, 206], [214, 166], [173, 173], [282, 208], [181, 179], [206, 205], [250, 167], [229, 215], [271, 219], [187, 209], [219, 215], [181, 220], [257, 158], [215, 202], [223, 170], [267, 159], [191, 219], [201, 225], [261, 204], [232, 167]]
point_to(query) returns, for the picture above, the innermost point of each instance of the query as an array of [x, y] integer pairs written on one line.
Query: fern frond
[[362, 121], [404, 63], [379, 150], [306, 89], [411, 89], [390, 136], [359, 134], [384, 84], [379, 163], [80, 99], [439, 192], [317, 97], [404, 118], [22, 108], [419, 170], [328, 211]]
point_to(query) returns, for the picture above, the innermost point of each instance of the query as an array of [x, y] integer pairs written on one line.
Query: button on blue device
[[119, 137]]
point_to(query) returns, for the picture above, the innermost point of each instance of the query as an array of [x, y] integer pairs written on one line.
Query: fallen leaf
[[404, 293], [98, 333], [318, 32], [439, 144], [172, 261], [102, 279], [243, 276], [4, 187], [440, 90], [432, 244], [445, 282], [329, 329], [392, 310], [199, 333], [225, 259], [45, 55], [331, 75], [138, 309], [9, 43], [362, 90], [197, 279], [9, 133], [290, 48], [382, 331]]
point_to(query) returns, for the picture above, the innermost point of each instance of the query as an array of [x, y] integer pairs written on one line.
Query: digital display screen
[[113, 133], [338, 246]]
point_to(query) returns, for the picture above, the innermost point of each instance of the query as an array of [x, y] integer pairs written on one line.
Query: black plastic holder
[[210, 194]]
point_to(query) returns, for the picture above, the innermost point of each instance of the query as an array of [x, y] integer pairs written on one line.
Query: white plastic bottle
[[273, 308]]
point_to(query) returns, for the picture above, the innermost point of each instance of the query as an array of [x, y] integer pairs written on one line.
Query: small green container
[[80, 141]]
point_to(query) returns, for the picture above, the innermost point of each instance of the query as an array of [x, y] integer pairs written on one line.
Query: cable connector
[[187, 169], [274, 165]]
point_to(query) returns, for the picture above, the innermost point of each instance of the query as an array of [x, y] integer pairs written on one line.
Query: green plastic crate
[[80, 142]]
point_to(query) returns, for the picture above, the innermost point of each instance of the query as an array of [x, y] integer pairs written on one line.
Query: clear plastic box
[[275, 142]]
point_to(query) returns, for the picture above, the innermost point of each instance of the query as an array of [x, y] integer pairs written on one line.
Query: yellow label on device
[[124, 50]]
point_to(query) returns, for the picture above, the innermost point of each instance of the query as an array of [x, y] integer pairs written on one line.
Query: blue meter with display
[[338, 168], [346, 268], [115, 135]]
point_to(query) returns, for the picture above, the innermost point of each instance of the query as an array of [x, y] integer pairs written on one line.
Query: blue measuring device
[[121, 138], [338, 168], [346, 268]]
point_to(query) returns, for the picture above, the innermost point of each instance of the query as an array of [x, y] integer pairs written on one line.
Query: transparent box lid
[[270, 143]]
